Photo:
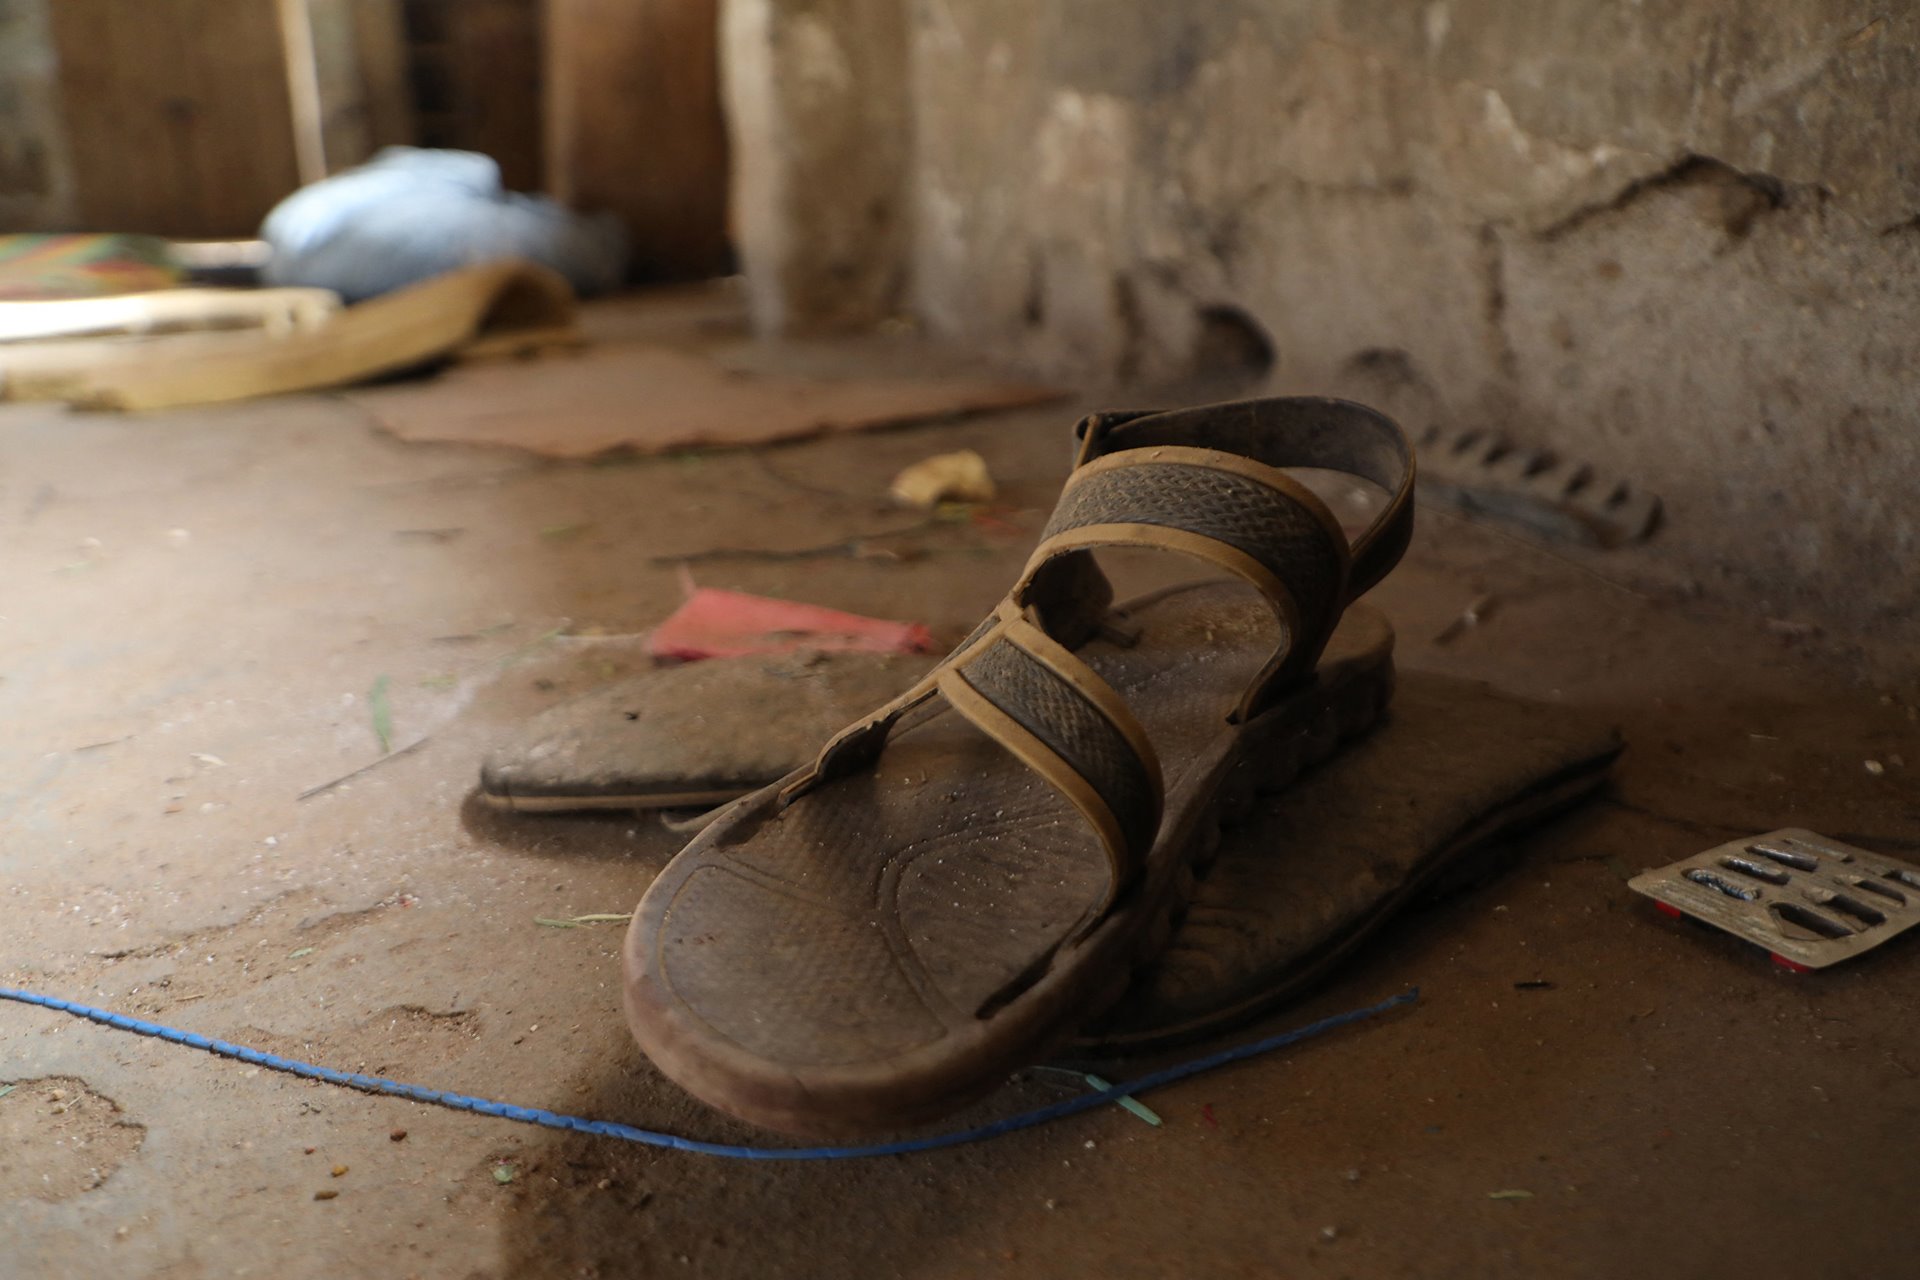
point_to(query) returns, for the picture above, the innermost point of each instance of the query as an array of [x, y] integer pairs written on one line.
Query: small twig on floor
[[382, 714], [415, 745], [821, 490], [574, 922], [468, 637], [461, 480], [1470, 617], [383, 723], [695, 821], [517, 654], [852, 548], [1131, 1105]]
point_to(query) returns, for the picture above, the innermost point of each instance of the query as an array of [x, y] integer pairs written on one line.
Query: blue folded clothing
[[410, 213]]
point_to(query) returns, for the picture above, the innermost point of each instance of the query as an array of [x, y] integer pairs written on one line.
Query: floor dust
[[201, 603], [61, 1138]]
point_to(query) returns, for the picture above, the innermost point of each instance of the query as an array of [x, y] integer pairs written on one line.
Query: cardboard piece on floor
[[654, 399], [731, 624]]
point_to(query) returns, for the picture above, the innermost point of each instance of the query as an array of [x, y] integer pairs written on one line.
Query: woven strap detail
[[1286, 431], [1108, 773], [1271, 526], [1241, 511], [1050, 710]]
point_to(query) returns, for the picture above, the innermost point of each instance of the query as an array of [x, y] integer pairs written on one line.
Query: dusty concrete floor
[[198, 604]]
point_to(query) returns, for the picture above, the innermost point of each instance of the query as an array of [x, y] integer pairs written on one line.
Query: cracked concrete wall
[[1678, 240], [816, 102]]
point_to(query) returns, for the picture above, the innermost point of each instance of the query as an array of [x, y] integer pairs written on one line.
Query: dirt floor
[[199, 604]]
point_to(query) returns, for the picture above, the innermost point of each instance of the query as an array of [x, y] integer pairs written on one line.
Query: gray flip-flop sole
[[689, 735]]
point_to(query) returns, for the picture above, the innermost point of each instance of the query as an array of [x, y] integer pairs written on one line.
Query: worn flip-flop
[[691, 734], [1418, 808], [963, 877]]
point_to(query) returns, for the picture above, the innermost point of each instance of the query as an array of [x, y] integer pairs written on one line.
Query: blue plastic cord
[[627, 1133]]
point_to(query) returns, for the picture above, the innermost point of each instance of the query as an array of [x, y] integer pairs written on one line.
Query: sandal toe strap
[[1052, 712], [1057, 716]]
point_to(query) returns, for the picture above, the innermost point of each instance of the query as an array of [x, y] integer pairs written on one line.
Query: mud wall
[[1679, 241]]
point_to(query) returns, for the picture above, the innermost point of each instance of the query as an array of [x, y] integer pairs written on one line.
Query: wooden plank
[[634, 125], [496, 47], [398, 330], [475, 66], [360, 60], [177, 114], [303, 87], [380, 50], [394, 331], [36, 186], [275, 310]]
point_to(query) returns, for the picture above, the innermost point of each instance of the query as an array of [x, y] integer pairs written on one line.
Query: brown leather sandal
[[966, 876]]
